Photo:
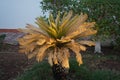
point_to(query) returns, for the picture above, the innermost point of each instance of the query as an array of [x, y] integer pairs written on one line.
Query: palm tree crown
[[55, 37]]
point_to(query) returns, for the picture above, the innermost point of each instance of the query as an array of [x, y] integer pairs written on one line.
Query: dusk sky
[[17, 13]]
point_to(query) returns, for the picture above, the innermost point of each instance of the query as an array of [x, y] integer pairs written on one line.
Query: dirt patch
[[110, 64], [109, 59], [12, 63]]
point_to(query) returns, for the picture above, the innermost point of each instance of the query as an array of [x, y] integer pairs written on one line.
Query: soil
[[111, 63], [13, 63]]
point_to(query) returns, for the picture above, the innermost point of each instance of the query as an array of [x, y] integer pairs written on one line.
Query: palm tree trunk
[[59, 72]]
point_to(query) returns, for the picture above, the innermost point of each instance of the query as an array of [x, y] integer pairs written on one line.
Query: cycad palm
[[54, 39]]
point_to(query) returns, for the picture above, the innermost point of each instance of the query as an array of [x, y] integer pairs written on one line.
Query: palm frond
[[65, 20], [43, 25], [31, 36], [76, 23], [88, 32], [79, 58], [51, 19], [76, 33], [75, 47], [26, 31], [27, 48], [50, 57], [33, 28], [41, 53], [57, 20], [33, 54], [65, 59], [67, 24], [52, 32], [88, 25], [89, 43], [41, 41], [82, 48], [25, 41]]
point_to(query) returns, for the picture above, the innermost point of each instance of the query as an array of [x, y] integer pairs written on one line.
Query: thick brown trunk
[[59, 72]]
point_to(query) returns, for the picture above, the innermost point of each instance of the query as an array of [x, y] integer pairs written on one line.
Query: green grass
[[42, 71], [84, 73], [39, 71]]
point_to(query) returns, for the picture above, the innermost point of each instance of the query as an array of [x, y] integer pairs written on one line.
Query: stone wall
[[11, 37]]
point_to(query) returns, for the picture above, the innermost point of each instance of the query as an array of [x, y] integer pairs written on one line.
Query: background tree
[[106, 13]]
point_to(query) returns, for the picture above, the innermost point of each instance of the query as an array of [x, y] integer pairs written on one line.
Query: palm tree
[[55, 38]]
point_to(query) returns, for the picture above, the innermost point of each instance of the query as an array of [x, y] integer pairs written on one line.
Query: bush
[[2, 37]]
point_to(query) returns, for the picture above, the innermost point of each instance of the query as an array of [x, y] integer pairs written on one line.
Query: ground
[[13, 63]]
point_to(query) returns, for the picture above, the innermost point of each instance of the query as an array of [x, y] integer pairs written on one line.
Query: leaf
[[76, 49], [66, 25], [55, 59], [75, 34], [33, 54], [51, 19], [83, 48], [41, 41], [63, 40], [51, 41], [25, 30], [31, 47], [60, 55], [25, 42], [83, 18], [22, 51], [53, 32], [54, 26], [76, 23], [41, 53], [79, 59], [50, 57], [32, 27], [88, 24], [65, 61], [65, 20], [43, 25], [27, 48], [57, 20], [88, 32], [30, 36], [67, 17], [89, 43]]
